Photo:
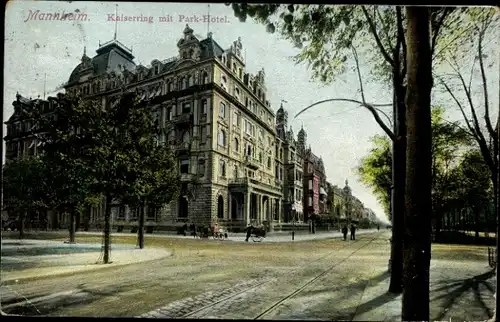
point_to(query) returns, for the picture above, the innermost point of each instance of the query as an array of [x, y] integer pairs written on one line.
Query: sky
[[338, 132]]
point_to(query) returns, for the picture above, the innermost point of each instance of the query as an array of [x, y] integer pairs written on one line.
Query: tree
[[24, 184], [326, 35], [153, 178], [449, 139], [64, 142], [474, 52], [417, 239]]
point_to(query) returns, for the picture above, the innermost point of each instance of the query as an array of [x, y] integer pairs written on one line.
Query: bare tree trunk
[[417, 239], [107, 230], [72, 226], [22, 218], [140, 231]]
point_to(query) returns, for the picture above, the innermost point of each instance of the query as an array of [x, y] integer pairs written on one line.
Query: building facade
[[290, 164], [212, 112], [238, 162]]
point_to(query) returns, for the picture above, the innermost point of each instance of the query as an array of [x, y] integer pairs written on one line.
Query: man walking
[[353, 232], [344, 232]]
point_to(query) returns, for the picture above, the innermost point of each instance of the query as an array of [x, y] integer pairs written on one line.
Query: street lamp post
[[294, 219]]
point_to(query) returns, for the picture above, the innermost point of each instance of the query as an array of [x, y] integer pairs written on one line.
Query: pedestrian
[[353, 232], [378, 227], [344, 232], [184, 228]]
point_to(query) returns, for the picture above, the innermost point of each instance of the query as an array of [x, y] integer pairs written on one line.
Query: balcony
[[239, 182], [183, 119], [183, 147], [186, 177], [251, 162]]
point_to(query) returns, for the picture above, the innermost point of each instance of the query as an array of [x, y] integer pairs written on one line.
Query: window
[[184, 82], [310, 203], [205, 78], [240, 73], [235, 171], [234, 67], [157, 69], [186, 108], [222, 168], [248, 128], [236, 145], [223, 81], [237, 92], [201, 167], [222, 110], [281, 174], [236, 119], [246, 101], [261, 135], [204, 131], [222, 138], [204, 107], [249, 150], [184, 165], [190, 81], [310, 184], [185, 137], [169, 86], [291, 156], [171, 112], [269, 162], [260, 157], [281, 153]]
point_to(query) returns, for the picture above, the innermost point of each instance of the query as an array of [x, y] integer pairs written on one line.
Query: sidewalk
[[277, 237], [64, 259]]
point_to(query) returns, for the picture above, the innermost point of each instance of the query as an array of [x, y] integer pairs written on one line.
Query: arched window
[[249, 150], [184, 82], [169, 86], [205, 78], [269, 162], [222, 138], [236, 145], [190, 80]]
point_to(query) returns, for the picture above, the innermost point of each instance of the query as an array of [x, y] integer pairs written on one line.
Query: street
[[206, 278]]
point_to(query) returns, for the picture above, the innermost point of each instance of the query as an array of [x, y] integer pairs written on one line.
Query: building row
[[239, 162]]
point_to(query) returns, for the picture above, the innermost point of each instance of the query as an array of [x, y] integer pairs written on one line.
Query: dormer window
[[157, 67]]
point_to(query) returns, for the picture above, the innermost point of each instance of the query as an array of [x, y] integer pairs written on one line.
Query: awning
[[322, 191]]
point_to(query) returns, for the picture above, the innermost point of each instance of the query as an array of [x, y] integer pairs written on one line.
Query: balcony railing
[[251, 162], [183, 118]]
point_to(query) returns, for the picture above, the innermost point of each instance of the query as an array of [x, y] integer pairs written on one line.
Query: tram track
[[291, 294]]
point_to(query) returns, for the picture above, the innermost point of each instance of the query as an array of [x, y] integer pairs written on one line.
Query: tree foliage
[[449, 140]]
